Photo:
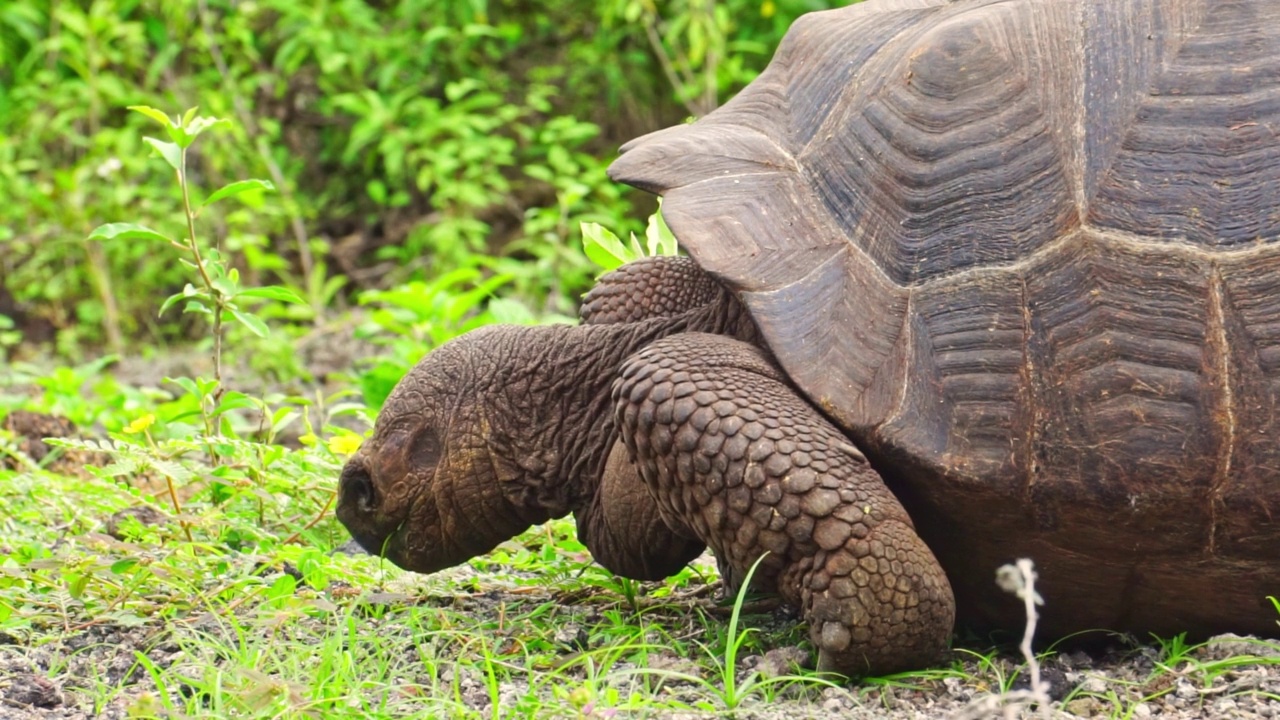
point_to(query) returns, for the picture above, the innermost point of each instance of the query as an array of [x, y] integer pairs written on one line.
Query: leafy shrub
[[404, 136]]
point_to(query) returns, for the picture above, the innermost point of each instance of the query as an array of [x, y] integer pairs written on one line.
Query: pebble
[[1094, 684]]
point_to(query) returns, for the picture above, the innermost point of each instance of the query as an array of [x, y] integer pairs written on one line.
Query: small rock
[[783, 661], [839, 694], [31, 429], [1142, 710], [675, 664], [1084, 707], [35, 691], [1094, 684], [1054, 678], [350, 547], [573, 637], [957, 689], [386, 600], [1079, 659], [1230, 645], [1225, 707], [1185, 690]]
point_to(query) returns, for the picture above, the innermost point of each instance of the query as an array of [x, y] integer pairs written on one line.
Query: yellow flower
[[767, 9], [345, 444], [140, 425], [309, 439]]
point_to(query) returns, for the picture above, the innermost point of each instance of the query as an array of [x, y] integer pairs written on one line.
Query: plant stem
[[216, 294], [177, 507], [314, 521]]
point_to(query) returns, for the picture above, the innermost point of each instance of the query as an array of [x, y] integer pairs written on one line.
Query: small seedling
[[216, 293]]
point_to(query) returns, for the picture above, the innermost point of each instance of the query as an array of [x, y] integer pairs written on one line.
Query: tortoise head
[[434, 485]]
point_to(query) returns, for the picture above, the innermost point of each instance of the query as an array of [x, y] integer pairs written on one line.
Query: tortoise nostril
[[357, 487]]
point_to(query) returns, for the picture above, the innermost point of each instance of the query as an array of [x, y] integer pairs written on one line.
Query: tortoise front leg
[[728, 447], [624, 529], [620, 523]]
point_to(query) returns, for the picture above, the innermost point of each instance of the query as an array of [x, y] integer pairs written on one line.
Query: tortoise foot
[[879, 604]]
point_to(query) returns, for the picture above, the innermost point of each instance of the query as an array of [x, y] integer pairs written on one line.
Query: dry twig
[[1019, 579]]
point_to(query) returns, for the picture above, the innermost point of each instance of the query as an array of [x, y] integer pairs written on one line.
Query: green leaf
[[197, 306], [510, 312], [273, 292], [171, 153], [121, 567], [226, 286], [200, 124], [127, 231], [186, 384], [76, 583], [233, 400], [603, 247], [659, 237], [153, 113], [169, 302], [171, 469], [281, 419], [251, 321], [283, 587], [236, 188], [180, 137]]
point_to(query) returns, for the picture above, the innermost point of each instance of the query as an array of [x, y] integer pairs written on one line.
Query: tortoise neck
[[557, 424], [556, 428]]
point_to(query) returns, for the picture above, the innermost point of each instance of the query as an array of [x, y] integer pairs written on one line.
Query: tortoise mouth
[[397, 537], [358, 507]]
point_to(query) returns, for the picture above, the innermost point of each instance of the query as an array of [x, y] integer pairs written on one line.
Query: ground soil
[[54, 676]]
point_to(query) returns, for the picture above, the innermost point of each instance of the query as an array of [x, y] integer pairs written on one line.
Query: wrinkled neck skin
[[551, 421]]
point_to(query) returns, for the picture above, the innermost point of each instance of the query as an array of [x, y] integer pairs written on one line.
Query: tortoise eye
[[424, 449]]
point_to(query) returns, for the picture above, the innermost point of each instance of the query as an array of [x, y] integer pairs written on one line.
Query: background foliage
[[408, 138], [393, 173]]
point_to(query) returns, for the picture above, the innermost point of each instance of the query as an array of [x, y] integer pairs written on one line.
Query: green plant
[[606, 250], [218, 294], [729, 691], [706, 49]]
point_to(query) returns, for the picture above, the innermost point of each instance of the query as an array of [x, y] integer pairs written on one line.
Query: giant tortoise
[[1016, 261]]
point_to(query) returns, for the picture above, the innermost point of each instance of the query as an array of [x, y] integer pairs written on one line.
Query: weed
[[218, 295], [728, 691]]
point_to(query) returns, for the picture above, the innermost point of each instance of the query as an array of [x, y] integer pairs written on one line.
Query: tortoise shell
[[1027, 253]]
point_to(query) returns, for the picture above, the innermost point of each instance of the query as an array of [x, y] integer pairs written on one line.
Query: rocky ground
[[55, 676]]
